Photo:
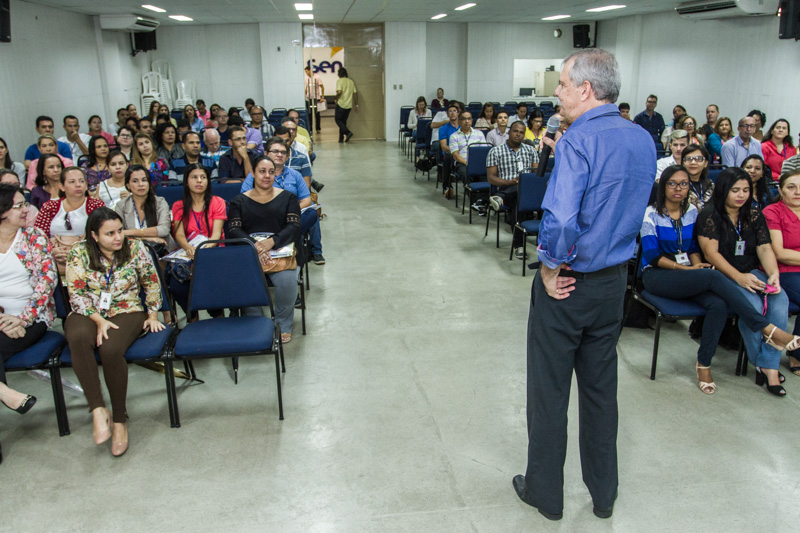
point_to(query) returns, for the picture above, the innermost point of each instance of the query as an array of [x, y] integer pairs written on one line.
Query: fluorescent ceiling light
[[557, 17], [439, 16], [304, 7], [181, 18], [465, 6], [306, 16], [604, 8], [154, 8]]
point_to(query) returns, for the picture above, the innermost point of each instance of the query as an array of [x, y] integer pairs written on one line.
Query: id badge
[[105, 300], [739, 248], [683, 259]]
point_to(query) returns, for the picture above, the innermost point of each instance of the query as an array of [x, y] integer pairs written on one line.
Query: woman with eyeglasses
[[48, 180], [64, 219], [47, 145], [723, 132], [755, 166], [27, 278], [777, 146], [144, 154], [689, 124], [695, 160], [125, 141], [735, 239], [673, 268], [535, 129], [96, 167], [10, 178]]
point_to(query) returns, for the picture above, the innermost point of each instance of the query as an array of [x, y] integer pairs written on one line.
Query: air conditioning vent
[[715, 9], [127, 23]]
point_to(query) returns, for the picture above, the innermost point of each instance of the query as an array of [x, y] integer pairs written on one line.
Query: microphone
[[552, 128]]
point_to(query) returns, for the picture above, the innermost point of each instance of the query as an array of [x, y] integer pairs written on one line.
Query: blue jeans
[[760, 353], [309, 222], [790, 283]]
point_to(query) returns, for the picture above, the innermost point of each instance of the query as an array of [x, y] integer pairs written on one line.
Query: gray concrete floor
[[405, 406]]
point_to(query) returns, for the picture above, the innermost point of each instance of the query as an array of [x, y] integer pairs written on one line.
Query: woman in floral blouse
[[27, 278], [104, 275]]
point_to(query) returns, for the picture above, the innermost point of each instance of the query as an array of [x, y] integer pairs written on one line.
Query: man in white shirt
[[522, 114], [315, 92], [678, 140], [499, 135], [460, 142], [122, 116], [78, 142]]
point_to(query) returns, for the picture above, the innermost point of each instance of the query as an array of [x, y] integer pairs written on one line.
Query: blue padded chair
[[153, 347], [714, 171], [405, 111], [177, 114], [423, 141], [278, 111], [476, 167], [234, 336], [226, 191], [171, 194], [503, 209], [530, 196]]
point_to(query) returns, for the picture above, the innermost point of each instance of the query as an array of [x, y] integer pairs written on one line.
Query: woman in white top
[[420, 111], [113, 189], [14, 166]]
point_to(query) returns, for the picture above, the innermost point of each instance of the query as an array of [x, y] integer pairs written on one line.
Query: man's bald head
[[211, 139]]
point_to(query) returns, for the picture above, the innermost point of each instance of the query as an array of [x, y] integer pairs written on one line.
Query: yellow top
[[348, 88]]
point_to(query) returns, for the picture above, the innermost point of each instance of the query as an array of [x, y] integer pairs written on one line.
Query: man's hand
[[73, 136], [242, 151], [557, 287]]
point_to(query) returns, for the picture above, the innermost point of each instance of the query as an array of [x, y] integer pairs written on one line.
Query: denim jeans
[[760, 353], [790, 283], [309, 222]]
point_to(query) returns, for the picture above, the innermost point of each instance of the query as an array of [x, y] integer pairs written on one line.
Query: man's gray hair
[[599, 68], [210, 134]]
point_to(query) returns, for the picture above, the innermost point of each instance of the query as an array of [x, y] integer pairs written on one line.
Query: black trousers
[[509, 196], [316, 116], [10, 347], [578, 333], [340, 116]]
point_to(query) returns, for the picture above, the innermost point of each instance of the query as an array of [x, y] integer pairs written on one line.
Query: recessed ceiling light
[[604, 8], [154, 8], [306, 16], [465, 6], [304, 7], [557, 17], [439, 16], [181, 18]]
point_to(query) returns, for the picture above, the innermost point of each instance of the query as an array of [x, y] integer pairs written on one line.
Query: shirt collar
[[599, 111]]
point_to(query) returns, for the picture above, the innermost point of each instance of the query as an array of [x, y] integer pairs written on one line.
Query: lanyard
[[142, 222], [108, 278], [196, 221], [699, 194], [739, 228], [677, 225]]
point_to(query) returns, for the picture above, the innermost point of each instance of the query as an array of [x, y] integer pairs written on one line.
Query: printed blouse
[[33, 251]]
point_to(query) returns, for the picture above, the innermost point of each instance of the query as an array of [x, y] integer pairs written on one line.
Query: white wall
[[282, 65], [405, 60], [446, 60]]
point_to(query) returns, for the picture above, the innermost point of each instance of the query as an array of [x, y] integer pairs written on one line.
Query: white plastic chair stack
[[186, 93], [151, 89], [163, 67]]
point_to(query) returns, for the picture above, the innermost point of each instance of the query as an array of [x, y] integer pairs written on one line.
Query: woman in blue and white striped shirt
[[673, 268]]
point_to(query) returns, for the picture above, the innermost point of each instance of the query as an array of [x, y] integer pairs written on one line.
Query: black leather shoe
[[521, 488], [603, 513], [317, 185], [26, 405]]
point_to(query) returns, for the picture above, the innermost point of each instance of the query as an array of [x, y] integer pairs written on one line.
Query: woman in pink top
[[96, 129], [783, 221], [777, 146]]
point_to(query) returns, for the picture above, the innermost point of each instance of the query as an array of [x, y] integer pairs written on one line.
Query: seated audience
[[303, 135], [122, 116], [212, 121], [105, 274], [440, 118], [300, 143], [420, 111], [144, 215], [245, 113], [777, 146], [735, 150], [695, 162], [152, 113], [96, 166], [206, 215], [689, 124], [673, 268], [63, 220], [735, 240], [257, 122], [164, 118], [268, 209], [132, 123], [440, 103], [27, 279], [535, 130], [791, 164], [253, 140], [712, 114], [499, 135], [214, 148], [460, 142], [522, 114], [487, 120], [14, 166], [625, 110], [298, 158], [678, 112], [723, 132], [132, 111], [96, 130], [47, 145], [189, 115], [761, 120], [783, 221], [237, 163], [125, 141], [183, 128], [167, 141], [144, 153], [202, 112], [113, 190], [146, 127], [677, 142], [48, 180], [191, 154], [504, 164], [755, 167], [222, 127], [9, 178], [164, 110], [453, 111], [650, 119], [44, 126], [78, 142]]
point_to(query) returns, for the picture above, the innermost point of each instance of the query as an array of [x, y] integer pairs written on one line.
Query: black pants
[[316, 115], [509, 196], [340, 116], [580, 333], [10, 347]]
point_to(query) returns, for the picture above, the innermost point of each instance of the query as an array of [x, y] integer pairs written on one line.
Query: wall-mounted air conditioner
[[127, 23], [716, 9]]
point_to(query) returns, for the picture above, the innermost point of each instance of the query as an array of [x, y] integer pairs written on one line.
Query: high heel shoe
[[118, 449], [707, 388], [101, 436], [26, 405], [794, 344], [761, 379]]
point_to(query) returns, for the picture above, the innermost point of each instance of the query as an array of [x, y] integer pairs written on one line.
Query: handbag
[[280, 264]]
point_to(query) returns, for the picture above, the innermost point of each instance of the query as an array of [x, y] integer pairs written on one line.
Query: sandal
[[707, 388], [794, 344], [286, 338]]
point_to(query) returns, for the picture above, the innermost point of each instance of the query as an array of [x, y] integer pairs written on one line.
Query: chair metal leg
[[659, 316], [172, 397], [497, 239], [235, 362], [58, 400], [307, 277], [303, 306], [513, 234], [524, 251], [741, 360], [278, 379], [488, 216]]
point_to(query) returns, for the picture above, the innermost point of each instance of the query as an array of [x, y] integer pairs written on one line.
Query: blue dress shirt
[[654, 125], [290, 180], [597, 193]]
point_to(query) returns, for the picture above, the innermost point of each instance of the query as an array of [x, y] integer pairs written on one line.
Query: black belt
[[602, 273]]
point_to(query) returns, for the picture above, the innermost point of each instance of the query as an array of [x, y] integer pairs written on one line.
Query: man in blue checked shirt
[[593, 209]]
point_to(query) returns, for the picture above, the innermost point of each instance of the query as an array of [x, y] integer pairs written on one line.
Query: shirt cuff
[[550, 262]]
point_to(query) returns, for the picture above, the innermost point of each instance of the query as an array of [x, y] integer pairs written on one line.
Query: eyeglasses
[[125, 136], [688, 123], [21, 205], [67, 223], [278, 152], [695, 159], [748, 126], [678, 184]]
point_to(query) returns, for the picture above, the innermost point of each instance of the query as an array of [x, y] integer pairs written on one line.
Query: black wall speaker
[[144, 42], [5, 22], [580, 36], [789, 27]]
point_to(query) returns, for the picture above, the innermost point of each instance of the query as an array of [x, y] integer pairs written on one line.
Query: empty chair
[[529, 200], [476, 175]]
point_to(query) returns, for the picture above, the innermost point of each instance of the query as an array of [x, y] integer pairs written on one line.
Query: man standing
[[712, 114], [346, 99], [504, 164], [45, 124], [737, 149], [649, 119], [315, 92], [593, 210], [236, 164], [78, 142], [499, 135]]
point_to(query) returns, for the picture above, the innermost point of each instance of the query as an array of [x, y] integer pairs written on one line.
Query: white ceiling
[[361, 11]]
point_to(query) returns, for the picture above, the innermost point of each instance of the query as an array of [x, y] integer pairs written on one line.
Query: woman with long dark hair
[[6, 162], [735, 239], [113, 189], [48, 180], [694, 159], [535, 129], [759, 175], [487, 120], [144, 154], [153, 111], [723, 132], [96, 167], [96, 130], [777, 146], [144, 215], [166, 139], [105, 274], [761, 121], [195, 122]]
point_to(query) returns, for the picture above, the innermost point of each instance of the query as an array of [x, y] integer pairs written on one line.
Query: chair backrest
[[281, 111], [171, 193], [166, 301], [151, 83], [162, 67], [531, 192], [405, 111], [215, 285], [423, 129], [476, 159], [186, 90], [226, 191], [713, 172]]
